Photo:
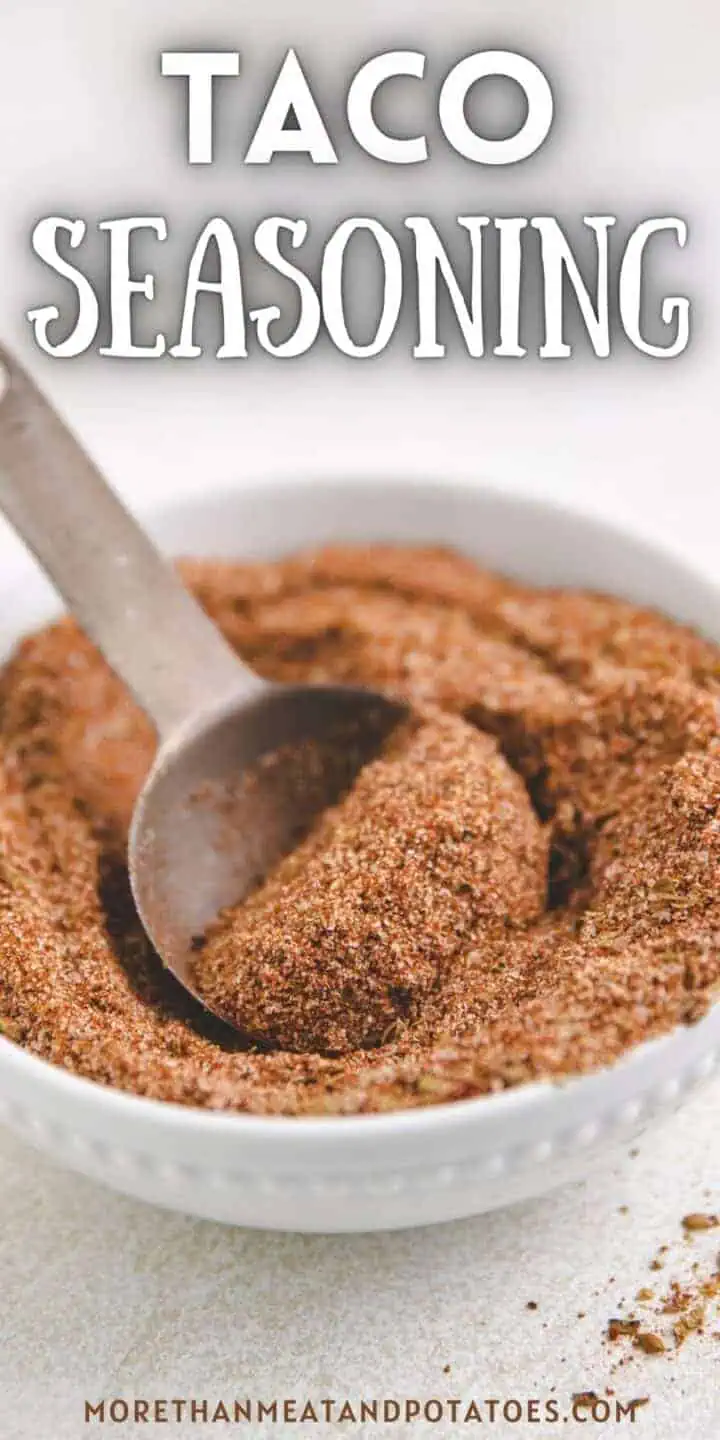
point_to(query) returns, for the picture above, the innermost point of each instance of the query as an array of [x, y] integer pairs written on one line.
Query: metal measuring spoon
[[200, 838]]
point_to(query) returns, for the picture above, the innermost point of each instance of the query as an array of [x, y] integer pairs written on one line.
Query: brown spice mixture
[[434, 847], [591, 920]]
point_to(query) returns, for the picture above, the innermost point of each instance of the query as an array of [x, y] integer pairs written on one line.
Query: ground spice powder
[[522, 884], [356, 932]]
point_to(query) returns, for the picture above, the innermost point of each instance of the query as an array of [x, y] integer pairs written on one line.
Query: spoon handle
[[126, 597]]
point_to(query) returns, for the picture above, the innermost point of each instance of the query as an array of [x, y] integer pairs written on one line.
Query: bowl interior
[[531, 540]]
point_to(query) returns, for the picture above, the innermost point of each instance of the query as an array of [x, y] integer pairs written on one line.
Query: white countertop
[[102, 1296], [110, 1298]]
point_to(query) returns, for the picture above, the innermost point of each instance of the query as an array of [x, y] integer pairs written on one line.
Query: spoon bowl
[[234, 791]]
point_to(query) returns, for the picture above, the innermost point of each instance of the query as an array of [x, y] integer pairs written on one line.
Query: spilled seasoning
[[668, 1314]]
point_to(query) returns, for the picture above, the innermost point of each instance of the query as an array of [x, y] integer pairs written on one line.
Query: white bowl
[[413, 1167]]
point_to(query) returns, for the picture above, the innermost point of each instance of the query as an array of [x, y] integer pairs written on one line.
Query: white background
[[101, 1296]]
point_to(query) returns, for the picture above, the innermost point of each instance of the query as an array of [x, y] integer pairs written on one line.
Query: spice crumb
[[618, 1327], [651, 1343], [698, 1221]]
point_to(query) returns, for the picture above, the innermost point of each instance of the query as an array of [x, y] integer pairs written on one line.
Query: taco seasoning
[[521, 883]]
